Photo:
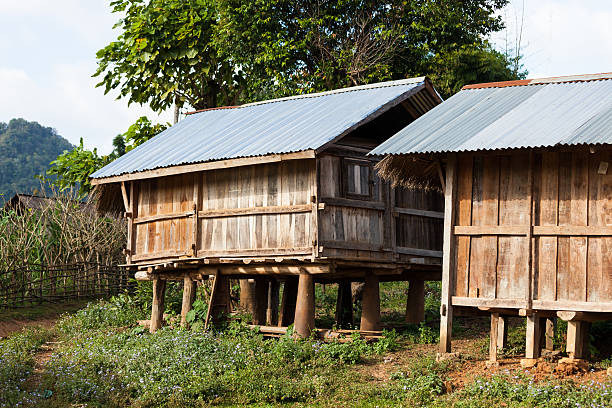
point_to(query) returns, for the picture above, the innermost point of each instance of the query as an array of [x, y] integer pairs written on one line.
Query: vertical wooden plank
[[157, 304], [189, 292], [534, 331], [274, 176], [578, 216], [314, 218], [564, 213], [483, 257], [529, 262], [464, 217], [130, 232], [448, 264], [548, 215]]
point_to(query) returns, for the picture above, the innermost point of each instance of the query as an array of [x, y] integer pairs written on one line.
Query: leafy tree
[[165, 55], [290, 47], [73, 168]]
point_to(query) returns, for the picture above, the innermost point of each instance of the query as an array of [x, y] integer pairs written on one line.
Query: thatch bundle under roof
[[413, 171]]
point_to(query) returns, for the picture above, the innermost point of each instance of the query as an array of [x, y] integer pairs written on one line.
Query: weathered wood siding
[[390, 225], [550, 252], [256, 210]]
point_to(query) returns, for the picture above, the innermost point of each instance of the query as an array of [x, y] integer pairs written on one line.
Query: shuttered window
[[357, 179]]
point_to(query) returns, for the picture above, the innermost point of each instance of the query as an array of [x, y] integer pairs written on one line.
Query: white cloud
[[562, 37]]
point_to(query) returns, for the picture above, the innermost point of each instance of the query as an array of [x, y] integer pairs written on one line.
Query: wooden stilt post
[[305, 306], [415, 304], [189, 293], [287, 312], [344, 305], [494, 337], [533, 339], [247, 296], [272, 310], [448, 257], [502, 333], [577, 339], [370, 310], [219, 305], [157, 305], [551, 323], [261, 300]]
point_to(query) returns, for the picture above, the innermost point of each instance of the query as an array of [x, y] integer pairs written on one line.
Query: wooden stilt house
[[528, 202], [279, 190]]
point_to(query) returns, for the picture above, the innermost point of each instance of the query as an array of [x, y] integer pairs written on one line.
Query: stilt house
[[279, 189], [528, 202]]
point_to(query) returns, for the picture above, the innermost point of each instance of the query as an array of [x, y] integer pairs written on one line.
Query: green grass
[[103, 359]]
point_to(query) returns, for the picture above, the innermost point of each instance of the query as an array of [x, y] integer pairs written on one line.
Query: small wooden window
[[357, 179]]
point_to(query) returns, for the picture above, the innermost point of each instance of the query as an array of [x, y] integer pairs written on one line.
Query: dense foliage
[[73, 168], [208, 53], [26, 149], [165, 55], [290, 47]]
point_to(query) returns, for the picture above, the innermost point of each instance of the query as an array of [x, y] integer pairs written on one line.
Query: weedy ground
[[98, 356]]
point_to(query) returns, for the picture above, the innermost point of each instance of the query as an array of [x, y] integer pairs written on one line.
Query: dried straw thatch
[[108, 198], [412, 171]]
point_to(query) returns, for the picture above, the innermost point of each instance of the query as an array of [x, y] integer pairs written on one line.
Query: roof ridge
[[386, 84], [542, 81]]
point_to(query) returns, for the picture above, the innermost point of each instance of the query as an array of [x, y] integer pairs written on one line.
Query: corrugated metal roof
[[270, 127], [541, 113]]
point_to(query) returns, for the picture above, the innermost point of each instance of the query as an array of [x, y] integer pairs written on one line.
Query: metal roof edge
[[398, 82], [541, 81]]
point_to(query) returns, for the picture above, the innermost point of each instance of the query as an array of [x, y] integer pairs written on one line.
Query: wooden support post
[[577, 339], [219, 306], [344, 305], [448, 258], [370, 304], [502, 333], [261, 300], [415, 304], [493, 339], [305, 306], [272, 310], [287, 312], [157, 305], [549, 333], [532, 338], [247, 296], [189, 293]]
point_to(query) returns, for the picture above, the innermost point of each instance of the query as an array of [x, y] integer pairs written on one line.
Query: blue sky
[[47, 56]]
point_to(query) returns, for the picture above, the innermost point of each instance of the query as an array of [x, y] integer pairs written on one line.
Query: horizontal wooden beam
[[419, 213], [162, 217], [520, 230], [418, 252], [599, 307], [491, 230], [219, 164], [203, 255], [347, 202], [265, 269], [173, 253], [572, 316], [275, 209], [360, 246], [487, 302], [572, 230]]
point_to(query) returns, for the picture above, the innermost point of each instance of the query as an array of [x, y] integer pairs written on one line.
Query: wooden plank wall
[[253, 210], [392, 219], [572, 219], [284, 185]]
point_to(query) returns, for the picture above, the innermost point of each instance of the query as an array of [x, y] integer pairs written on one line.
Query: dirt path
[[14, 325]]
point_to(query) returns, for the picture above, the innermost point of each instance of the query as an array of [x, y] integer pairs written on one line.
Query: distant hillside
[[26, 149]]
